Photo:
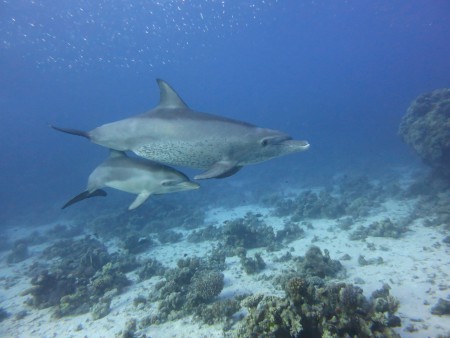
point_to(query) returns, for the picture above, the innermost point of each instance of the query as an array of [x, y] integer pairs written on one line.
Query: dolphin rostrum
[[133, 175], [174, 134]]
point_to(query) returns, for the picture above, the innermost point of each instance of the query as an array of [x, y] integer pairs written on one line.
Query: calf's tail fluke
[[72, 131]]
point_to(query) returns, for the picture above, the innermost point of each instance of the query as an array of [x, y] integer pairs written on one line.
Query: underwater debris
[[426, 129], [309, 310]]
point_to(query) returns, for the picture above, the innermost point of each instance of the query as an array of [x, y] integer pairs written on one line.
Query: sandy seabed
[[416, 266]]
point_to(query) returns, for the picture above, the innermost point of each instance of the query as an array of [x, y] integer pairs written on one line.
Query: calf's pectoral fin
[[84, 195], [141, 198], [220, 169]]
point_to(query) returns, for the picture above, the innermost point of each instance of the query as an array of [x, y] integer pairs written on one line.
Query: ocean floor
[[414, 262]]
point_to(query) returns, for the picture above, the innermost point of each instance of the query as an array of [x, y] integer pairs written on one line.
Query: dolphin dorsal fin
[[116, 153], [168, 98]]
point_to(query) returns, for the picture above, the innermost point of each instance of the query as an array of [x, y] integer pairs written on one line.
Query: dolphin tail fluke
[[84, 195], [72, 131]]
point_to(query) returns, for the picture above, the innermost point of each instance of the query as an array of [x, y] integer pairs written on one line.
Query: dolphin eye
[[168, 183], [265, 142]]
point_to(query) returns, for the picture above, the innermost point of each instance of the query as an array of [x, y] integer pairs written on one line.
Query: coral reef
[[309, 310], [383, 228], [252, 265], [353, 197], [19, 252], [220, 311], [194, 283], [101, 309], [290, 232], [442, 307], [164, 215], [270, 316], [310, 204], [248, 232], [4, 243], [79, 279], [151, 267], [108, 278], [362, 261], [64, 231], [210, 233], [204, 287], [129, 330], [318, 264], [169, 236], [3, 314], [134, 243], [434, 198], [48, 288], [426, 128]]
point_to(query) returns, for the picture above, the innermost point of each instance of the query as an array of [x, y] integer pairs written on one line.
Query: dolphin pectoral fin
[[219, 170], [84, 195], [141, 198]]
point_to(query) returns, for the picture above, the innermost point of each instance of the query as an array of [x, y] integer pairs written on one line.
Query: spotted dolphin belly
[[199, 155]]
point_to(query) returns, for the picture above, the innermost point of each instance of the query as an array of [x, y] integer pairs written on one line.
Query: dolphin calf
[[133, 175], [174, 134]]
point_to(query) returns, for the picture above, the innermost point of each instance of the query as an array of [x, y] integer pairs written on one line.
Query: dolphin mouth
[[189, 185], [300, 145]]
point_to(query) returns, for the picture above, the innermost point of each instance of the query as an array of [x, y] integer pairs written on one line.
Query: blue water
[[340, 74]]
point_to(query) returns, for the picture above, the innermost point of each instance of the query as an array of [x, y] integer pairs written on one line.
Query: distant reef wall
[[426, 128]]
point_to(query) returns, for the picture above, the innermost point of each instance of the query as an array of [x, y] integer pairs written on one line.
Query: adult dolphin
[[133, 175], [174, 134]]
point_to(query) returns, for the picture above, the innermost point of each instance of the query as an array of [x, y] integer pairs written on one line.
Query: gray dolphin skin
[[136, 176], [174, 134]]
